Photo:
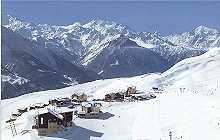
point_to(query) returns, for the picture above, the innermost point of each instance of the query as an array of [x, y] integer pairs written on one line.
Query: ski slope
[[192, 114]]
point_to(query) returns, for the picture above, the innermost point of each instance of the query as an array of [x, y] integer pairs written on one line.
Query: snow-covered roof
[[38, 104], [55, 113], [81, 112], [62, 99], [86, 104], [51, 111]]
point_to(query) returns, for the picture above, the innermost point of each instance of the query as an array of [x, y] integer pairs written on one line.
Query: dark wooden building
[[51, 121], [60, 102]]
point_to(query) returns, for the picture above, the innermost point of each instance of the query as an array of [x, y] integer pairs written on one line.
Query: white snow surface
[[188, 115]]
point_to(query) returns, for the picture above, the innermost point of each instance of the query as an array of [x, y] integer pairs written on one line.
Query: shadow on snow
[[106, 115], [76, 133]]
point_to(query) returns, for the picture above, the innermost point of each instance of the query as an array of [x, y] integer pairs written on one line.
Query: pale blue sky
[[164, 17]]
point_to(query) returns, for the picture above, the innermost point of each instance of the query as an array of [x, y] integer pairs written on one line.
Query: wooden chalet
[[157, 90], [51, 121], [79, 98], [130, 91], [60, 102], [39, 105], [16, 114], [23, 110], [31, 107], [119, 96], [89, 111], [142, 97]]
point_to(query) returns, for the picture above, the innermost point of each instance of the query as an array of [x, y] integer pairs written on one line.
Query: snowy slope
[[198, 74], [186, 114]]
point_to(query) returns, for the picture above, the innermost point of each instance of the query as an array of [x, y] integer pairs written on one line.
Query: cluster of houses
[[49, 120], [131, 94], [75, 99], [20, 111]]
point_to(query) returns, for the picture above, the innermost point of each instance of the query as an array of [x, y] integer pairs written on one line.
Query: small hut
[[130, 91], [16, 114], [38, 105], [119, 96], [82, 98], [79, 98], [108, 97], [155, 88], [31, 107], [60, 102], [22, 110], [152, 95], [53, 101], [89, 111], [74, 97], [50, 121]]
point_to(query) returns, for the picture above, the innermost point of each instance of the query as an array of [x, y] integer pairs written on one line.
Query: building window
[[42, 120]]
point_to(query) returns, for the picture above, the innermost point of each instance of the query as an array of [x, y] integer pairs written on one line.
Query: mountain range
[[39, 57]]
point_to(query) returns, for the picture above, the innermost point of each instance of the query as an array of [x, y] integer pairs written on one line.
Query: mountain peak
[[15, 23], [99, 22], [108, 27], [76, 24], [10, 17], [205, 30], [7, 19]]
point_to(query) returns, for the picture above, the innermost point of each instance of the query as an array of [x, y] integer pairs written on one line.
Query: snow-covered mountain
[[190, 113], [27, 66], [108, 48], [123, 57], [201, 37], [87, 40]]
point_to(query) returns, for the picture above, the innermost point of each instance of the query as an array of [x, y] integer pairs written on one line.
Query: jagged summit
[[200, 38], [15, 23], [205, 30], [108, 27]]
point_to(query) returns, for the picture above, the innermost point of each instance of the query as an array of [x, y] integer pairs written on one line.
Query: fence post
[[170, 134]]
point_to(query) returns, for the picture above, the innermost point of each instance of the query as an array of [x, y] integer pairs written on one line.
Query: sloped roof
[[51, 111], [55, 113]]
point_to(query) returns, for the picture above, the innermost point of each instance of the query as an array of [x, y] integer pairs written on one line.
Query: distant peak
[[12, 18], [205, 30], [7, 19], [76, 24], [99, 22]]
